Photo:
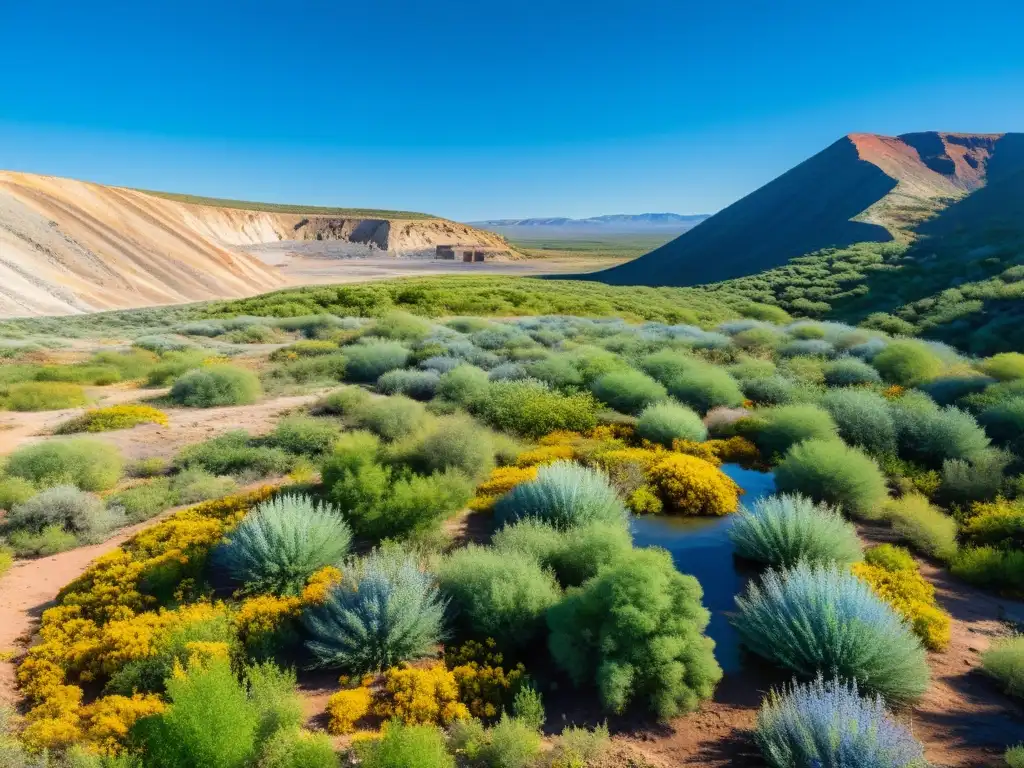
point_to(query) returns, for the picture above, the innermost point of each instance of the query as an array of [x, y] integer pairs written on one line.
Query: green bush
[[419, 385], [15, 490], [907, 363], [863, 418], [216, 385], [923, 526], [41, 396], [304, 435], [454, 442], [91, 465], [528, 408], [304, 348], [850, 372], [296, 748], [51, 540], [931, 435], [528, 706], [580, 746], [1014, 756], [386, 611], [510, 743], [628, 391], [1001, 570], [210, 722], [703, 387], [574, 555], [406, 746], [464, 385], [175, 364], [815, 620], [391, 417], [563, 494], [780, 428], [130, 363], [664, 422], [501, 595], [1006, 366], [324, 369], [343, 402], [557, 371], [284, 541], [141, 502], [368, 362], [636, 632], [833, 473], [594, 362], [781, 531], [946, 390], [980, 479], [772, 390], [1004, 660], [234, 454], [401, 326]]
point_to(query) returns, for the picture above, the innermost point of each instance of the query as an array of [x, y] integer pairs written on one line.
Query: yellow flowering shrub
[[111, 615], [893, 392], [421, 696], [999, 523], [644, 501], [611, 432], [703, 451], [560, 437], [545, 454], [913, 597], [484, 686], [346, 708], [114, 417], [690, 486], [320, 584], [736, 450], [106, 721], [501, 481]]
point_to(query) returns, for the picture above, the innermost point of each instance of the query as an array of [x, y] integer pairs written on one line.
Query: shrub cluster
[[216, 385]]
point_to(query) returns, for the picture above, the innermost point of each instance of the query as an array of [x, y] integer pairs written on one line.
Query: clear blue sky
[[485, 109]]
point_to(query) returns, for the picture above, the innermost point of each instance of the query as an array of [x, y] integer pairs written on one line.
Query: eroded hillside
[[70, 246]]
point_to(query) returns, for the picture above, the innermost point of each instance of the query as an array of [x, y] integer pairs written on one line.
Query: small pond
[[701, 547]]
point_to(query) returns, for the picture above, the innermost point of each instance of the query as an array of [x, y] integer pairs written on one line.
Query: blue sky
[[479, 110]]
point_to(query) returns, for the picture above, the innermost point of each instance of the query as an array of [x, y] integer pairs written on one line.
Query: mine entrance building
[[468, 253]]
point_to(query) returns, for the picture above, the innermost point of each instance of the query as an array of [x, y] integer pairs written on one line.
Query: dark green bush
[[636, 633], [1004, 423], [829, 471], [216, 385]]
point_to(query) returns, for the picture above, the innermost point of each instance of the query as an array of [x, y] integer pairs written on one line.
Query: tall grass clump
[[564, 494], [88, 464], [217, 385], [1004, 660], [831, 472], [635, 633], [284, 541], [175, 364], [930, 435], [816, 620], [906, 362], [385, 611], [863, 418], [497, 594], [829, 725], [925, 527], [628, 391], [41, 396], [784, 530], [780, 428], [664, 422], [368, 362], [406, 746]]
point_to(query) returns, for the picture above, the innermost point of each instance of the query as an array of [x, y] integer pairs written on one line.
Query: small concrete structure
[[468, 253]]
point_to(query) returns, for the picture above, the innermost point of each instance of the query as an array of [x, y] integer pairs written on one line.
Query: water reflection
[[701, 547]]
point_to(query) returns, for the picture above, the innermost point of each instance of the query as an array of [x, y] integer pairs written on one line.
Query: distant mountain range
[[615, 223]]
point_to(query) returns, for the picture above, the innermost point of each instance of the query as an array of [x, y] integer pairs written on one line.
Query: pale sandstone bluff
[[69, 247]]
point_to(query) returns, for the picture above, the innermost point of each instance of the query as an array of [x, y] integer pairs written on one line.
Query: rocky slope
[[70, 246], [863, 187]]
